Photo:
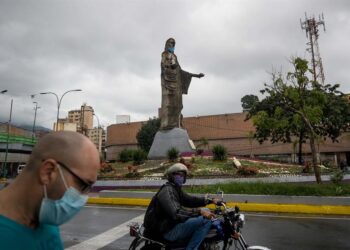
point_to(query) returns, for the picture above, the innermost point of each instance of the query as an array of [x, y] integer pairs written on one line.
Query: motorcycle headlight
[[241, 220]]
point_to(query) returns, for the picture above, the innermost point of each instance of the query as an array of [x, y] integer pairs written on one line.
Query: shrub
[[139, 156], [247, 171], [219, 153], [337, 177], [193, 160], [105, 168], [199, 151], [173, 154], [307, 167], [125, 155], [132, 175]]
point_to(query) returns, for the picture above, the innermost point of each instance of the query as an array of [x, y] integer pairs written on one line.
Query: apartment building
[[83, 117], [98, 137]]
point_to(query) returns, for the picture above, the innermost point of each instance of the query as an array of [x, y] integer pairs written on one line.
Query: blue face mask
[[179, 180], [171, 49], [57, 212]]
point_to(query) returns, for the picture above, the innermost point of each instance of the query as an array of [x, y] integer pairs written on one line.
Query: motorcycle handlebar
[[221, 204]]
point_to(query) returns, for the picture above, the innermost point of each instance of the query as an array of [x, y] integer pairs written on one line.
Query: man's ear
[[48, 171]]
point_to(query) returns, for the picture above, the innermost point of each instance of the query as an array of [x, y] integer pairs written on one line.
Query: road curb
[[247, 207]]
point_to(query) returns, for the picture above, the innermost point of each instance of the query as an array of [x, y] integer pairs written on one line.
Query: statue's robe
[[175, 82]]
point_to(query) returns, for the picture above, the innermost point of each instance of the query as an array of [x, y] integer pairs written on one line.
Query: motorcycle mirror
[[221, 193]]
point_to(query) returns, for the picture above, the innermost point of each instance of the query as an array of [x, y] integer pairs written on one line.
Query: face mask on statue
[[57, 212], [171, 49], [179, 180]]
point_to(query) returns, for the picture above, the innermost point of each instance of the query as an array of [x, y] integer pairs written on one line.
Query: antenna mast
[[310, 25]]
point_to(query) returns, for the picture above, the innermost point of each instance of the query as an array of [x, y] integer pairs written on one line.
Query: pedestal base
[[167, 139]]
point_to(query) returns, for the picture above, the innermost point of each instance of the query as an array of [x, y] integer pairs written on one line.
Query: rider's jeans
[[194, 229]]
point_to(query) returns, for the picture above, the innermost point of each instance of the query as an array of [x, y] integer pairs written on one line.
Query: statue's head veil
[[169, 43]]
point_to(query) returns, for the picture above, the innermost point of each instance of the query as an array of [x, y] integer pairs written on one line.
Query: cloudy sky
[[111, 50]]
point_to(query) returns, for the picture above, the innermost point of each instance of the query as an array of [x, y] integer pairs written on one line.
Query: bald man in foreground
[[52, 188]]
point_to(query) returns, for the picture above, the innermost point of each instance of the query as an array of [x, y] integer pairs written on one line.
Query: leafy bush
[[199, 151], [307, 167], [132, 175], [139, 156], [247, 171], [105, 168], [219, 153], [125, 155], [193, 160], [337, 177], [173, 154]]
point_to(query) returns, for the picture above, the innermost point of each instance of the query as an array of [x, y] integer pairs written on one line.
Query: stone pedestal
[[166, 139]]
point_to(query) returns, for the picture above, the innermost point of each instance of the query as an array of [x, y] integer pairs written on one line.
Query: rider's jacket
[[172, 206]]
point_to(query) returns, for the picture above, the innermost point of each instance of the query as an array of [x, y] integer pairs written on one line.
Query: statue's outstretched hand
[[200, 75]]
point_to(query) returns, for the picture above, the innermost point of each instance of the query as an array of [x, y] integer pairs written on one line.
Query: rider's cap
[[177, 167]]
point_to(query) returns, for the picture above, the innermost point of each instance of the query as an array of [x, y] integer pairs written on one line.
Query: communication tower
[[310, 25]]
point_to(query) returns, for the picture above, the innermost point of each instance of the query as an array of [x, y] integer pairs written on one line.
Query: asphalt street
[[102, 227]]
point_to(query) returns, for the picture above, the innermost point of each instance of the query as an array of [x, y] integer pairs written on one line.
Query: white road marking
[[107, 237], [118, 208]]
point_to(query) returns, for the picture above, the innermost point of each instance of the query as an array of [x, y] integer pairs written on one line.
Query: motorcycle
[[226, 230]]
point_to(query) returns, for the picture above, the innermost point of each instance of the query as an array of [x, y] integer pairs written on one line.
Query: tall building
[[81, 120], [98, 137], [65, 125], [83, 117]]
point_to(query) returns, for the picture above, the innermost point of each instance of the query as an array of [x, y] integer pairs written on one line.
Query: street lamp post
[[36, 108], [7, 140], [59, 101], [4, 165]]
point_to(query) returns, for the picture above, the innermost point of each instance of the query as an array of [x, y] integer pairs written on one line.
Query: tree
[[147, 132], [297, 105], [248, 102]]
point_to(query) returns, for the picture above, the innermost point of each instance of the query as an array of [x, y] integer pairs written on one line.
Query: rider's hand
[[215, 201], [206, 213]]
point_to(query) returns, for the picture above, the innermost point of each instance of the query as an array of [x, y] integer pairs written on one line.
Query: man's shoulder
[[12, 236], [16, 236], [168, 189]]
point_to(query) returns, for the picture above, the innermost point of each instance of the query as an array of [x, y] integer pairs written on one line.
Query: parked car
[[20, 168]]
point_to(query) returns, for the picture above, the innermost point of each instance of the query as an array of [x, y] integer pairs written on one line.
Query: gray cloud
[[111, 50]]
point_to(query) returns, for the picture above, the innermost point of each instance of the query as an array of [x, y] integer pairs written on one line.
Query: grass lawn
[[298, 189], [259, 188]]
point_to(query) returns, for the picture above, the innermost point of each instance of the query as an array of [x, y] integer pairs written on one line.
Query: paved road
[[97, 227]]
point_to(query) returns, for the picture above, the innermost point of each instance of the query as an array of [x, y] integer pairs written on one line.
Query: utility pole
[[35, 108], [310, 25]]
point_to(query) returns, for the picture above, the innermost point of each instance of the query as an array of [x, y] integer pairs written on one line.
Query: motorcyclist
[[175, 215]]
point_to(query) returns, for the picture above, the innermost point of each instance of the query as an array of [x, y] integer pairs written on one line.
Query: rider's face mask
[[179, 180], [57, 212]]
